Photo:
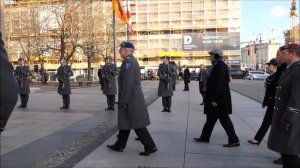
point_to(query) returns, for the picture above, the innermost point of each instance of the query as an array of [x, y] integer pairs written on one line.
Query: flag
[[119, 10], [128, 14]]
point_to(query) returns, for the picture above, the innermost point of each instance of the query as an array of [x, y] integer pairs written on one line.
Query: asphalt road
[[253, 89]]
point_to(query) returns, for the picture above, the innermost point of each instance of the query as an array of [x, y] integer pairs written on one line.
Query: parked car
[[260, 75], [194, 75], [236, 73]]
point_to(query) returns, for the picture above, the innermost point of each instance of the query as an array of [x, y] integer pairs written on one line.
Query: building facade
[[184, 30], [256, 56]]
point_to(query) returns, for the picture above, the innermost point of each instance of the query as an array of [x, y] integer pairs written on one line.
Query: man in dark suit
[[64, 72], [8, 87], [132, 110], [108, 73], [186, 78], [217, 101], [22, 73], [202, 78], [285, 129]]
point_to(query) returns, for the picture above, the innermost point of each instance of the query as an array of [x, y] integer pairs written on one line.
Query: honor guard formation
[[282, 98]]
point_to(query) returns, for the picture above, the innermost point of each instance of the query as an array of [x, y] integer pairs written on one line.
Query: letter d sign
[[187, 39]]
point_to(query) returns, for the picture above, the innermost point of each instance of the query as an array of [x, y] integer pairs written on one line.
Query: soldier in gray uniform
[[165, 88], [63, 75], [8, 87], [132, 109], [108, 73], [22, 74], [285, 128]]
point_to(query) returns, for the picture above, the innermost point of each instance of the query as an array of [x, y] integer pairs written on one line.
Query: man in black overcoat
[[217, 101]]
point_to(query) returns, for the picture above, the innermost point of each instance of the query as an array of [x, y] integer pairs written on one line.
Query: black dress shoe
[[107, 109], [67, 108], [253, 142], [62, 107], [230, 145], [21, 106], [115, 148], [201, 140], [112, 109], [278, 161], [164, 110], [148, 152]]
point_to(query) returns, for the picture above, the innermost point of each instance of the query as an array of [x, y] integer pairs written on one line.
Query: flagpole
[[127, 26], [114, 37]]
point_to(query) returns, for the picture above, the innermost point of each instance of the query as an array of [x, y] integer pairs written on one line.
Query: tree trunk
[[89, 68]]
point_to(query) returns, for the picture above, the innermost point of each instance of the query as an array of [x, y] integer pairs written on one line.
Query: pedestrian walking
[[22, 74], [8, 87], [202, 78], [285, 128], [108, 73], [165, 88], [63, 75], [217, 101], [132, 109], [269, 100], [186, 78]]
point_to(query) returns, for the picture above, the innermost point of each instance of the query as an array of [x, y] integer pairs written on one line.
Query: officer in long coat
[[186, 78], [8, 87], [63, 75], [217, 101], [22, 74], [165, 88], [108, 73], [285, 129], [268, 101], [132, 109]]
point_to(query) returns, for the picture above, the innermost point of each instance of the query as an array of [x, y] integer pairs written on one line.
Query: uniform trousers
[[142, 134], [186, 86], [24, 99], [110, 101], [66, 100], [265, 124], [211, 118], [167, 102]]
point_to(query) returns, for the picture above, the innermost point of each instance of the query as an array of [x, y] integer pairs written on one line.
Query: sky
[[260, 16]]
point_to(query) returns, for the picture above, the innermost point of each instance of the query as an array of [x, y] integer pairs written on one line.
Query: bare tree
[[65, 25], [95, 32]]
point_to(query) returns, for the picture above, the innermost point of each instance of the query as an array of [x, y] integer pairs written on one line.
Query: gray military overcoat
[[285, 129], [22, 75], [63, 75], [166, 74], [132, 109], [109, 72]]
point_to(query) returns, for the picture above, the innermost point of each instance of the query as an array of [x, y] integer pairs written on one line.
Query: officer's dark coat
[[166, 74], [270, 85], [22, 75], [130, 93], [108, 73], [217, 89], [285, 129], [63, 75], [8, 87], [186, 75]]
